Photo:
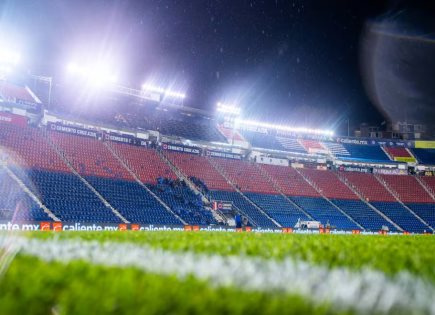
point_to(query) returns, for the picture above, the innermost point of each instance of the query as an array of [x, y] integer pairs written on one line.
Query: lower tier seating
[[426, 211], [323, 211], [184, 202], [363, 214], [255, 216], [401, 216], [68, 197], [15, 204], [133, 202], [280, 209]]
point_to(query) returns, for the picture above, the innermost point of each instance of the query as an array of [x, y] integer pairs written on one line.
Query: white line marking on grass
[[365, 291]]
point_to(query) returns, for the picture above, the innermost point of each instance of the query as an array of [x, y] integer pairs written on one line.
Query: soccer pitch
[[213, 273]]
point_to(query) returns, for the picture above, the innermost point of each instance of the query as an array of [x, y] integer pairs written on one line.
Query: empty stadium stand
[[68, 197], [199, 167], [246, 176], [289, 181], [399, 154], [27, 148], [408, 188], [255, 216], [371, 153], [15, 204], [323, 211], [425, 156], [144, 162], [89, 156], [133, 202], [280, 209]]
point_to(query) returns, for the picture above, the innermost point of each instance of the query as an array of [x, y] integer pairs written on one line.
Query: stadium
[[116, 199]]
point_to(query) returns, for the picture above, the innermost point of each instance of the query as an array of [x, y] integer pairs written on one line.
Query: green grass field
[[91, 273]]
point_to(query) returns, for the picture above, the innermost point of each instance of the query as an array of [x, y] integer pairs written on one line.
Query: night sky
[[299, 62]]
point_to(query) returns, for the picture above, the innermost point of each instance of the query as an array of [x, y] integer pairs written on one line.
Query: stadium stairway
[[59, 147], [307, 177], [413, 226], [370, 212], [16, 197], [258, 215], [280, 190], [123, 160]]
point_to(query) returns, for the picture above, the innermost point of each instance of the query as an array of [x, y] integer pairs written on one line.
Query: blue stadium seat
[[278, 208], [425, 156], [133, 201], [68, 197], [426, 211], [185, 203], [401, 216], [371, 153], [363, 214], [254, 214], [323, 211]]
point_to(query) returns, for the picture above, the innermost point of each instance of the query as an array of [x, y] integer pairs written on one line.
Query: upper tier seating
[[290, 144], [323, 211], [329, 184], [280, 209], [408, 188], [133, 202], [290, 182], [401, 216], [368, 186], [27, 148], [184, 203], [190, 130], [145, 163], [363, 214], [15, 204], [398, 153], [230, 134], [312, 146], [199, 167], [336, 148], [9, 91], [68, 197], [261, 140], [246, 176], [372, 153], [255, 216], [89, 157], [425, 156]]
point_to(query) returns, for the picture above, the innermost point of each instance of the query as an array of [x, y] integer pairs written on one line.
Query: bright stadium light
[[228, 109], [164, 92], [97, 74], [11, 58], [284, 128]]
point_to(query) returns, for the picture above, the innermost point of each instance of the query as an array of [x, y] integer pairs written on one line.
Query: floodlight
[[228, 109], [284, 128], [9, 57], [95, 74], [164, 92]]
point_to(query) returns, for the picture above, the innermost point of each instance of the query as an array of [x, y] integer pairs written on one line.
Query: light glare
[[284, 128], [228, 109]]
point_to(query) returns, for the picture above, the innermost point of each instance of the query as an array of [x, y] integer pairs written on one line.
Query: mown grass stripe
[[365, 291]]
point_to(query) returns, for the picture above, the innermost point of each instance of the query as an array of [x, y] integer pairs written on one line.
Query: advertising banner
[[13, 119], [226, 155], [425, 144], [388, 171], [73, 130], [354, 169], [181, 148], [127, 139]]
